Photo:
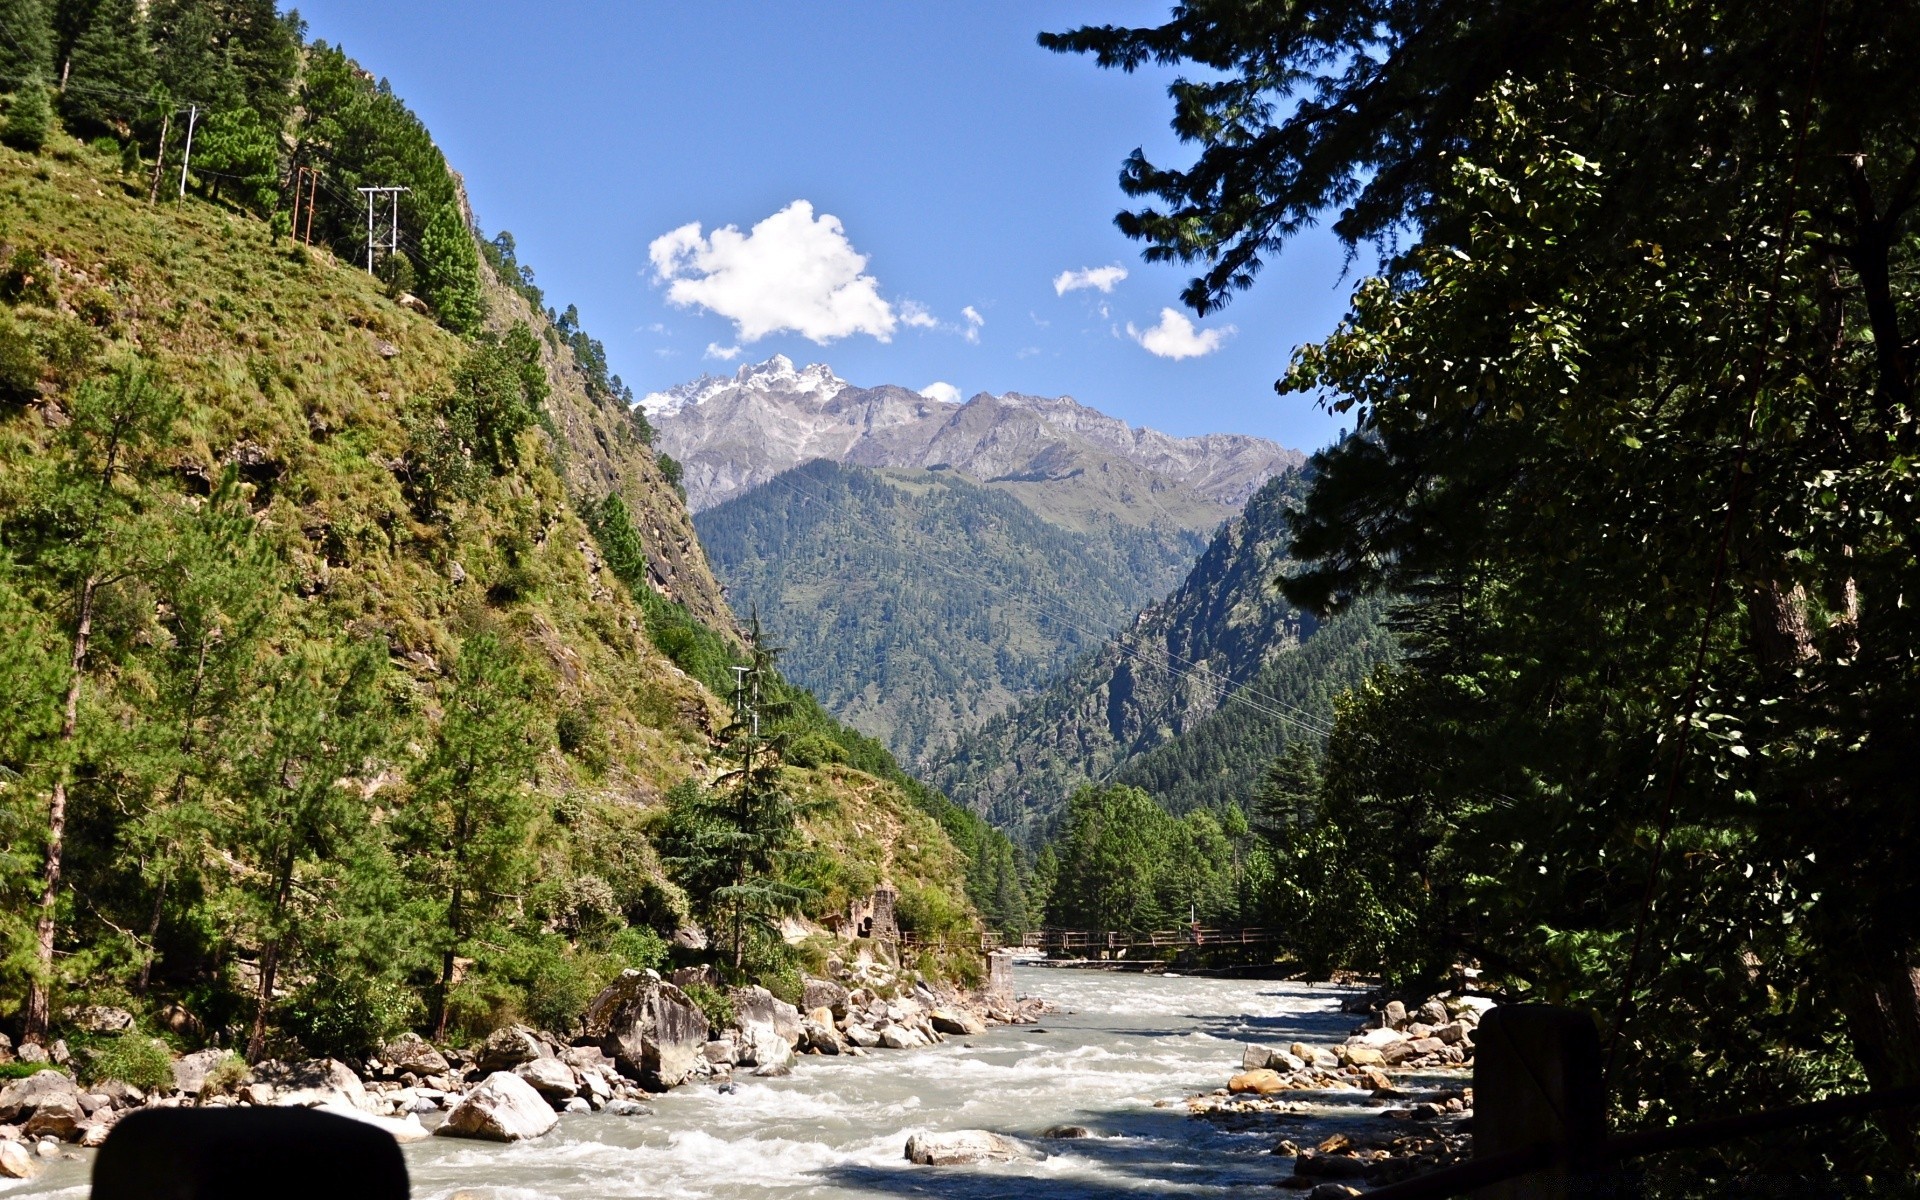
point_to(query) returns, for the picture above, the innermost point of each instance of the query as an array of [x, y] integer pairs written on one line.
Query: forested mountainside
[[1217, 677], [1066, 461], [354, 637], [915, 604]]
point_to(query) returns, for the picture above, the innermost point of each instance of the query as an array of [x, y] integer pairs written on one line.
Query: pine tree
[[26, 43], [30, 118], [450, 271], [464, 830], [110, 71]]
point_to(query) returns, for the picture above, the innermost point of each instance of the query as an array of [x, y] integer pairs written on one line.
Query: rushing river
[[837, 1127]]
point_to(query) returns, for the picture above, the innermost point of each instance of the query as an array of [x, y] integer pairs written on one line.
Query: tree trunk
[[36, 1015], [269, 966], [153, 931], [446, 964], [1881, 1002]]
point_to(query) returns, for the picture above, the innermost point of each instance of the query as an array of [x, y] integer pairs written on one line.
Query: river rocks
[[412, 1053], [862, 1035], [761, 1023], [21, 1098], [508, 1048], [190, 1072], [957, 1021], [650, 1029], [404, 1130], [1065, 1132], [503, 1108], [1362, 1056], [314, 1082], [553, 1079], [963, 1146], [823, 993], [32, 1052], [818, 1034], [1262, 1082], [56, 1117], [16, 1162]]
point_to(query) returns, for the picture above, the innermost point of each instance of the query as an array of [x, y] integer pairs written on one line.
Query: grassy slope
[[298, 364]]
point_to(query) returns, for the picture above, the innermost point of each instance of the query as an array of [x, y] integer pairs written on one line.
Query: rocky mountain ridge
[[1060, 457], [1225, 648]]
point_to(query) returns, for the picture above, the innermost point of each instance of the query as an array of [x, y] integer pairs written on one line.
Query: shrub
[[136, 1059], [715, 1003], [226, 1076], [20, 1070], [30, 119], [19, 364], [347, 1015], [638, 948]]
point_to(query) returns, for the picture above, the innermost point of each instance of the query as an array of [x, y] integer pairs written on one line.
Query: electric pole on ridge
[[393, 233]]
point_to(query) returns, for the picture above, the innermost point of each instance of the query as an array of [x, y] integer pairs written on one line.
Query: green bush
[[638, 948], [226, 1076], [136, 1059], [714, 1002], [346, 1016]]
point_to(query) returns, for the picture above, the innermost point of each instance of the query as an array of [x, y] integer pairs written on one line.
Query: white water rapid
[[837, 1127]]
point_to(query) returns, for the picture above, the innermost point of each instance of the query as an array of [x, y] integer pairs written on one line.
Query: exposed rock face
[[963, 1146], [733, 434], [650, 1029], [957, 1021], [100, 1018], [504, 1108]]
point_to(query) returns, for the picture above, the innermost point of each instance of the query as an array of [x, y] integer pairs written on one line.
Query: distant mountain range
[[1062, 459], [1061, 521]]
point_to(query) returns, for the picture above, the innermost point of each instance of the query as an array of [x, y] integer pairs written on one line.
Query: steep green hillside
[[340, 592], [1215, 677], [916, 604]]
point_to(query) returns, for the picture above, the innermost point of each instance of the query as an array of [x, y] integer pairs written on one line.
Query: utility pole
[[313, 188], [393, 234], [193, 115]]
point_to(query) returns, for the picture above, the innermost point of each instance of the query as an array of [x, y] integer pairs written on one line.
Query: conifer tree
[[91, 536], [110, 70], [450, 270], [464, 830], [30, 117], [26, 43]]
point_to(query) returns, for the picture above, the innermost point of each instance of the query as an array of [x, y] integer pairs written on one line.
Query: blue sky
[[969, 167]]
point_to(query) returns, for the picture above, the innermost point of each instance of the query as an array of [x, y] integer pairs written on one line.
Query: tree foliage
[[1634, 399]]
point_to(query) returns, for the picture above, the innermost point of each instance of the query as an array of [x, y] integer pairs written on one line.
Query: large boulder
[[761, 1027], [411, 1052], [312, 1083], [1260, 1082], [100, 1018], [957, 1021], [190, 1072], [504, 1108], [963, 1146], [650, 1029], [20, 1099], [16, 1162], [553, 1079], [57, 1117], [508, 1048], [823, 993]]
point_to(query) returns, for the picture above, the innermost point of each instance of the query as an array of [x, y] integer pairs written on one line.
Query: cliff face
[[601, 452]]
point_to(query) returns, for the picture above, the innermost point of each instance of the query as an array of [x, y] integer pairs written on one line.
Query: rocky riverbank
[[641, 1035], [1396, 1088]]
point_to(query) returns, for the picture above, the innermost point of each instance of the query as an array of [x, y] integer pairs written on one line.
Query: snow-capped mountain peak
[[777, 374]]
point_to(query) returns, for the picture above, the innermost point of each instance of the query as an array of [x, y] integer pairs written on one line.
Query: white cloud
[[914, 315], [1100, 278], [1176, 338], [946, 393], [723, 353], [974, 322], [791, 272], [1028, 352]]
